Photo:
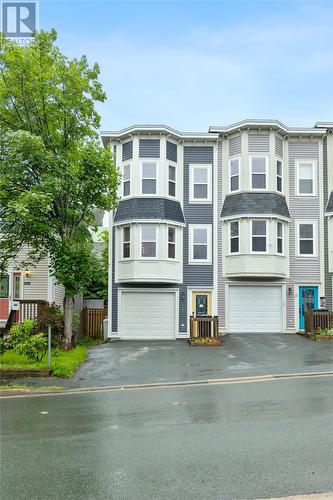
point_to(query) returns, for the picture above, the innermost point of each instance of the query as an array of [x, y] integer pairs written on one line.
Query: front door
[[308, 300], [201, 304]]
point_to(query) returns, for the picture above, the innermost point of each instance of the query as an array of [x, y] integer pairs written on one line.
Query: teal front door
[[308, 300]]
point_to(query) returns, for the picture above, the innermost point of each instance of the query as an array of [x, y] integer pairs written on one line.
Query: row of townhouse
[[236, 222]]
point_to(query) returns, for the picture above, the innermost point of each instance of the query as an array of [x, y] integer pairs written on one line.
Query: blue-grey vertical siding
[[278, 146], [328, 275], [114, 307], [171, 151], [235, 145], [195, 275], [149, 148], [127, 151], [258, 143], [221, 280]]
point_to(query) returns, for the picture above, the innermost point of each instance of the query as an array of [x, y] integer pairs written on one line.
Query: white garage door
[[148, 315], [255, 309]]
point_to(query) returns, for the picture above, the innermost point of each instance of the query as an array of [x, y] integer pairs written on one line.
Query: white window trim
[[123, 242], [128, 180], [252, 157], [239, 174], [207, 200], [232, 237], [314, 177], [200, 262], [282, 237], [171, 164], [175, 244], [279, 176], [147, 160], [156, 241], [315, 236], [259, 236]]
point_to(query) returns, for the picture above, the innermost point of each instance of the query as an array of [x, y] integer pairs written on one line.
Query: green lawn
[[63, 363]]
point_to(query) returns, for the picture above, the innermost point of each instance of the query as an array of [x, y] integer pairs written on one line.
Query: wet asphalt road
[[202, 442]]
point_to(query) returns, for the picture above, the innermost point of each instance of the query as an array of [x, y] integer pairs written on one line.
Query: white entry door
[[148, 315], [255, 309]]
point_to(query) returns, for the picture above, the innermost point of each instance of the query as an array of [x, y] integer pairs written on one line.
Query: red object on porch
[[4, 311]]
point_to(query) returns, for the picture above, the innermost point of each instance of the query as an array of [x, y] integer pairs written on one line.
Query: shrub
[[33, 347], [325, 331], [2, 346], [51, 315], [20, 332]]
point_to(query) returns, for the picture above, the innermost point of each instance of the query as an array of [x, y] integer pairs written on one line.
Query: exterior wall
[[34, 287], [328, 221]]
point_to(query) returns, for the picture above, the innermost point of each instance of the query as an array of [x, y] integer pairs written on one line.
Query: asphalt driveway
[[138, 362]]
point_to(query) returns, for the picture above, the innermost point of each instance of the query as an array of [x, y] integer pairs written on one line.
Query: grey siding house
[[236, 222]]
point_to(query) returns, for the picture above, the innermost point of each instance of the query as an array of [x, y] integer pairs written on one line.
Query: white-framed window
[[172, 181], [306, 238], [171, 242], [234, 236], [259, 235], [149, 177], [234, 174], [148, 241], [126, 242], [258, 172], [200, 183], [279, 178], [127, 180], [306, 178], [279, 237], [200, 244]]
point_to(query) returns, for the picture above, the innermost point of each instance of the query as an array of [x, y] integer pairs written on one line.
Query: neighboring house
[[235, 222]]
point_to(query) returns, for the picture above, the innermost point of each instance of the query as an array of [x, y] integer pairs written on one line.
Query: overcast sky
[[192, 64]]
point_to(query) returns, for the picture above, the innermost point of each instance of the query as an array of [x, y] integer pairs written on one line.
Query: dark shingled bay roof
[[149, 208], [255, 203], [329, 207]]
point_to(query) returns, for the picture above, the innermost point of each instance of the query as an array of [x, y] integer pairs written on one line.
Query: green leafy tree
[[53, 169]]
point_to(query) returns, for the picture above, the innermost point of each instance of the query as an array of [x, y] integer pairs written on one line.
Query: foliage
[[53, 170], [2, 346], [325, 331], [51, 315], [97, 288], [31, 388], [33, 347], [19, 332]]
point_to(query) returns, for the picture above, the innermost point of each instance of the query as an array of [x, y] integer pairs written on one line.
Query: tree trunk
[[66, 343]]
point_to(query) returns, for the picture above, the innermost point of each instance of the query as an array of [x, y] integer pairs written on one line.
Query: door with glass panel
[[308, 300]]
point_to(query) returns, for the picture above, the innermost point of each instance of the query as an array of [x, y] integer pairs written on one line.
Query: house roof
[[329, 206], [255, 204], [143, 209]]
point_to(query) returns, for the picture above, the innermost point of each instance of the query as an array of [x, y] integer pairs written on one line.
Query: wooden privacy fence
[[92, 322], [314, 320], [204, 327]]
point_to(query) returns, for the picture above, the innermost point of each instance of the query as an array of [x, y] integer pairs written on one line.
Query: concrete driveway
[[138, 362]]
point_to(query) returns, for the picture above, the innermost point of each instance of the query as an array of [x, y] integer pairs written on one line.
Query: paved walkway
[[140, 362]]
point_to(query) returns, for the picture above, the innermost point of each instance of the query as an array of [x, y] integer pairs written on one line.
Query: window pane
[[234, 167], [200, 191], [172, 188], [279, 229], [200, 236], [126, 250], [200, 176], [279, 184], [258, 244], [148, 249], [234, 183], [305, 171], [172, 173], [148, 186], [279, 168], [127, 233], [149, 170], [171, 234], [306, 186], [306, 247], [4, 287], [127, 188], [258, 227], [234, 245], [234, 228], [306, 231], [200, 252], [259, 165], [127, 172], [279, 245], [148, 232], [259, 181], [171, 251]]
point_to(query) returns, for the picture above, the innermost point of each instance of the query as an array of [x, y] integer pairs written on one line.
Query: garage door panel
[[148, 315], [255, 309]]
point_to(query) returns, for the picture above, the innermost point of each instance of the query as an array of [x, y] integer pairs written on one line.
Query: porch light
[[27, 274], [290, 291]]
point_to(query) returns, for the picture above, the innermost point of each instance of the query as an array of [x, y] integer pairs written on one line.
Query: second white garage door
[[255, 309], [148, 315]]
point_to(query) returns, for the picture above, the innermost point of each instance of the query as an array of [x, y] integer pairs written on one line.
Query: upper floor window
[[200, 183], [234, 174], [200, 244], [4, 286], [148, 177], [172, 181], [126, 242], [259, 236], [258, 172], [127, 180], [279, 175], [148, 241], [279, 237], [306, 240], [234, 237], [171, 243], [306, 178]]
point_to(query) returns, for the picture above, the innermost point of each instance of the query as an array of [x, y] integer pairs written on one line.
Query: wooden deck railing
[[29, 308], [318, 319], [204, 327]]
